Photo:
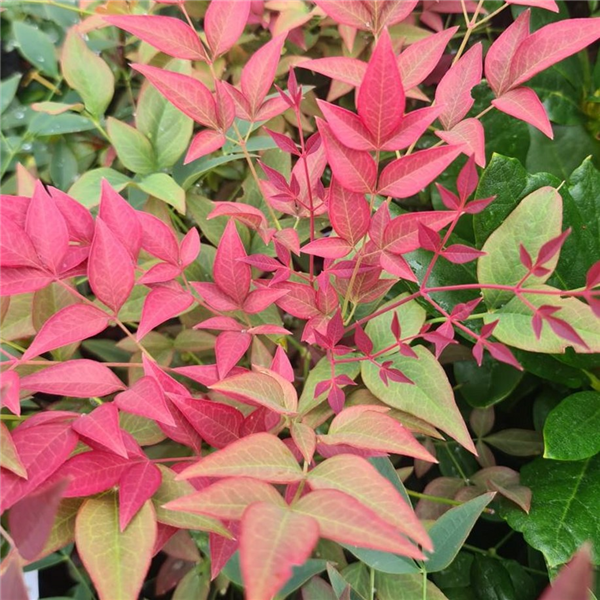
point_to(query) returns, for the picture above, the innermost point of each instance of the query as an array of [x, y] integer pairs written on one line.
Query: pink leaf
[[47, 229], [190, 247], [469, 136], [224, 22], [110, 269], [160, 273], [281, 364], [160, 305], [413, 126], [222, 549], [467, 180], [331, 247], [218, 424], [102, 427], [79, 378], [22, 280], [273, 539], [546, 4], [348, 12], [574, 580], [390, 13], [71, 324], [419, 59], [186, 93], [244, 213], [454, 90], [381, 95], [9, 457], [501, 53], [459, 254], [92, 472], [158, 238], [349, 213], [78, 218], [170, 35], [551, 44], [259, 72], [146, 399], [261, 299], [355, 170], [347, 127], [121, 219], [16, 249], [408, 175], [229, 348], [341, 68], [300, 301], [230, 274], [213, 295], [204, 143], [523, 103], [137, 484]]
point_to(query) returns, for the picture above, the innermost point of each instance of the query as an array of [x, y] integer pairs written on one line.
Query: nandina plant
[[309, 322]]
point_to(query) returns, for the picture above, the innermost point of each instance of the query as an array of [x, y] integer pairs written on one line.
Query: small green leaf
[[133, 148], [571, 429], [385, 562], [517, 442], [406, 587], [88, 74], [87, 188], [564, 509], [491, 580], [194, 584], [8, 89], [37, 47], [450, 531], [162, 186], [43, 124], [187, 175], [63, 165]]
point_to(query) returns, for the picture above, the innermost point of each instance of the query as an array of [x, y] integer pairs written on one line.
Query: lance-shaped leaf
[[228, 499], [203, 143], [229, 348], [160, 305], [110, 269], [23, 280], [343, 519], [117, 561], [523, 103], [305, 439], [347, 127], [265, 388], [42, 450], [231, 275], [9, 456], [408, 175], [469, 136], [413, 126], [353, 169], [224, 22], [47, 229], [146, 399], [356, 477], [222, 549], [349, 213], [102, 427], [551, 44], [158, 238], [17, 249], [137, 484], [260, 456], [575, 580], [170, 35], [341, 68], [188, 94], [360, 427], [418, 60], [330, 247], [273, 539], [350, 12], [81, 378], [218, 424], [71, 324], [454, 90], [381, 99], [92, 472]]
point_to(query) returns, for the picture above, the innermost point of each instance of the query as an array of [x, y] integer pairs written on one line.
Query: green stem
[[441, 500]]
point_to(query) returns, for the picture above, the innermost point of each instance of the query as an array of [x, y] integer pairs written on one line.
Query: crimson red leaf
[[347, 127], [331, 247], [229, 348], [469, 136], [92, 472], [22, 280], [341, 68], [137, 484], [224, 22], [523, 103], [102, 427], [78, 218], [574, 580], [204, 143], [349, 213], [16, 249], [459, 253], [231, 275], [158, 238], [160, 305], [146, 399], [221, 548], [349, 12], [261, 299]]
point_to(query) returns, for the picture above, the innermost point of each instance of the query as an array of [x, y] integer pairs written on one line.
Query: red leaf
[[186, 93], [261, 299], [22, 280], [137, 484], [47, 229], [349, 213], [413, 126], [170, 35], [428, 238], [281, 365], [213, 295], [158, 238], [546, 4], [81, 378], [218, 424], [476, 206], [71, 324], [102, 427], [283, 142], [110, 269], [160, 305], [459, 254], [224, 22], [330, 247], [229, 348], [222, 549], [230, 274], [121, 219], [454, 90], [92, 472], [300, 301], [362, 340], [575, 580], [204, 143], [244, 213], [31, 519], [189, 248], [78, 218], [523, 103], [349, 12], [355, 170], [347, 127], [408, 175], [16, 249], [341, 68], [259, 72], [146, 399], [381, 99], [402, 233], [12, 583], [551, 44], [551, 248], [469, 136], [9, 391]]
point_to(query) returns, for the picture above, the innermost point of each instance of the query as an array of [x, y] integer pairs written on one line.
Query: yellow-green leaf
[[163, 187], [133, 148]]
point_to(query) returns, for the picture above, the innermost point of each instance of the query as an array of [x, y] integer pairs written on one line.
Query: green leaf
[[517, 442], [357, 575], [88, 74], [63, 165], [405, 587], [411, 317], [37, 47], [564, 509], [486, 385], [571, 429], [163, 187], [187, 175], [429, 397], [194, 584], [43, 124], [116, 561], [133, 148], [87, 188], [385, 562], [301, 574], [536, 220], [450, 531], [491, 580], [8, 89], [457, 574], [167, 128], [339, 584]]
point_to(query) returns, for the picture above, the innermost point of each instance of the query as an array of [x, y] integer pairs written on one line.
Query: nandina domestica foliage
[[313, 311]]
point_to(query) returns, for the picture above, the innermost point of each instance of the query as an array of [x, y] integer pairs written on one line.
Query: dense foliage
[[300, 299]]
